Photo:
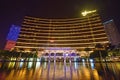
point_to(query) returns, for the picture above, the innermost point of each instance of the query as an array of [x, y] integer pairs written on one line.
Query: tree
[[110, 46], [118, 47], [114, 50], [87, 50], [99, 47], [96, 54], [34, 52], [99, 52]]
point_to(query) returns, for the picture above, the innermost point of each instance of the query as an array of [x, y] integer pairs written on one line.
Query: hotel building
[[61, 35]]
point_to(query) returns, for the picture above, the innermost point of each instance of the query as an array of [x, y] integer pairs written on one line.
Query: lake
[[59, 71]]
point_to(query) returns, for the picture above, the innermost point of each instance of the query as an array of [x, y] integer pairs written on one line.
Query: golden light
[[51, 40], [87, 12]]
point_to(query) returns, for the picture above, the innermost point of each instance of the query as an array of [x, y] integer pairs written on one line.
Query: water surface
[[59, 71]]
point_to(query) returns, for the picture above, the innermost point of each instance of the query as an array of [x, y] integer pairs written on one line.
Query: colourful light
[[30, 64], [66, 54], [13, 33], [91, 60], [21, 64], [38, 64], [83, 60], [58, 48], [51, 40], [10, 45]]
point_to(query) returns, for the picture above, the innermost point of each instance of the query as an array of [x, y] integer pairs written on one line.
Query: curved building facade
[[74, 34]]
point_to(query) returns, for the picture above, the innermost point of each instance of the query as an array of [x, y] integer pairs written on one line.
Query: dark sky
[[13, 11]]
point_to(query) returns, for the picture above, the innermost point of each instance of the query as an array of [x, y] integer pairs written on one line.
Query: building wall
[[76, 33]]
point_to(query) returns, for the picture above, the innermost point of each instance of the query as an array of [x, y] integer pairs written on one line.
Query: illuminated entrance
[[59, 54]]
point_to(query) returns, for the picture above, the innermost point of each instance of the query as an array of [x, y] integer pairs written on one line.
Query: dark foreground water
[[59, 71]]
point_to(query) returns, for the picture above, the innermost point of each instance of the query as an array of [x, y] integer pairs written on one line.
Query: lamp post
[[99, 47]]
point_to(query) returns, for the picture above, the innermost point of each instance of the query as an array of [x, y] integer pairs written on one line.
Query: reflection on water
[[59, 71]]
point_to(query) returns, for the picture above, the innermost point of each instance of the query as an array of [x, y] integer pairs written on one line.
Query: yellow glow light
[[87, 12]]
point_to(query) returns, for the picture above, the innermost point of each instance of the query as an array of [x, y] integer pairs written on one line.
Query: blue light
[[92, 65], [66, 54], [91, 60], [107, 22], [76, 65], [75, 59], [38, 64], [73, 54], [22, 60], [58, 48], [83, 60], [13, 33], [30, 64], [21, 64]]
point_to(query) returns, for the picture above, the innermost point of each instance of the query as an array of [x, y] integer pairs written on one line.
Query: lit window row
[[61, 20], [63, 23], [65, 33], [52, 24], [68, 30]]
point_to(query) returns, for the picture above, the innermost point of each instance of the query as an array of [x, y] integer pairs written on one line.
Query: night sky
[[13, 11]]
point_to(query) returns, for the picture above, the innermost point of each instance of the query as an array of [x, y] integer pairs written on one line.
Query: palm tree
[[87, 50], [99, 47], [14, 53], [110, 50], [118, 47], [20, 53], [34, 52]]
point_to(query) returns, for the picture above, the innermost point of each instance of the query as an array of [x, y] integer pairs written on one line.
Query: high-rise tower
[[112, 32]]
